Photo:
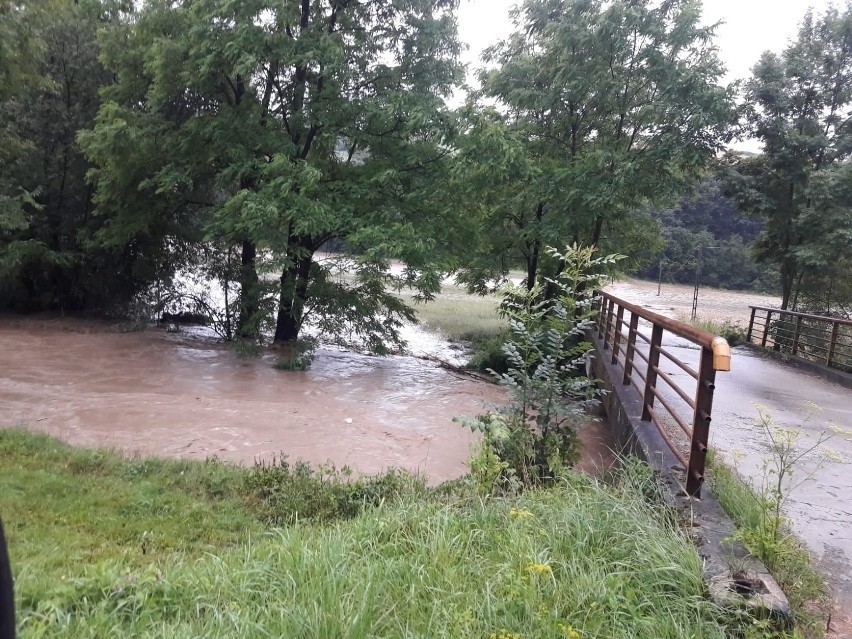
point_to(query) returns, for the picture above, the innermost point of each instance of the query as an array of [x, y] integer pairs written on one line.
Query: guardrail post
[[835, 326], [631, 348], [796, 334], [651, 375], [608, 326], [701, 423], [751, 324], [616, 339], [766, 329]]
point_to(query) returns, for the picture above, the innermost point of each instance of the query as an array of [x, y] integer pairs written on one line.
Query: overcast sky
[[749, 27]]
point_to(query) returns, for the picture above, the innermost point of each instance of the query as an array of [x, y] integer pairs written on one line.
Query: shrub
[[489, 356], [536, 435], [281, 493]]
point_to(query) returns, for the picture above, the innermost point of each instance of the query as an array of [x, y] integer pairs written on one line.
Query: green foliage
[[707, 219], [295, 356], [283, 494], [735, 335], [48, 257], [274, 129], [489, 355], [546, 353], [546, 564], [800, 183], [803, 584], [601, 108]]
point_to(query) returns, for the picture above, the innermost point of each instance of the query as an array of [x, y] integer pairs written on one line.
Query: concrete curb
[[734, 577]]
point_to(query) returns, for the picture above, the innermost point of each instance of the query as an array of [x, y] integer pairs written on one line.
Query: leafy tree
[[600, 108], [278, 127], [46, 225], [19, 53], [707, 219], [799, 105]]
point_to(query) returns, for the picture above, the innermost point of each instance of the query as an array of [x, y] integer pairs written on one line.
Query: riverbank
[[150, 547]]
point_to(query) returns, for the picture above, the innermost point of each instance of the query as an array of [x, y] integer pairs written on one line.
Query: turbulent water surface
[[188, 395]]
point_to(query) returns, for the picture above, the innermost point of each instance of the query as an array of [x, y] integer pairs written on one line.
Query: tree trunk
[[796, 290], [535, 249], [247, 327], [291, 304], [532, 264], [596, 233], [788, 276]]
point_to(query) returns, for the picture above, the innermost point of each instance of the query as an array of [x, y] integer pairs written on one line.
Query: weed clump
[[281, 493]]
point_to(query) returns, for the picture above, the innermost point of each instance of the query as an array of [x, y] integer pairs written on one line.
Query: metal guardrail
[[823, 340], [643, 360]]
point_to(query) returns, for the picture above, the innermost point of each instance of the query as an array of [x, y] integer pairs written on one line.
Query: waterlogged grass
[[107, 547], [459, 316]]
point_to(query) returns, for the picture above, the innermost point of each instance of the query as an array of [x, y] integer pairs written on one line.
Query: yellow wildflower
[[539, 569], [523, 513], [505, 634], [568, 631]]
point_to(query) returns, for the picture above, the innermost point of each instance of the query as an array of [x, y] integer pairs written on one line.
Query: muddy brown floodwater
[[175, 394]]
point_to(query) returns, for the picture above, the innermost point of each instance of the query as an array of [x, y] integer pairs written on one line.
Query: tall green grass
[[459, 316], [108, 547]]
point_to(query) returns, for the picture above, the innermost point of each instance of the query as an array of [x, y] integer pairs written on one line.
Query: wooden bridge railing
[[635, 338], [822, 340]]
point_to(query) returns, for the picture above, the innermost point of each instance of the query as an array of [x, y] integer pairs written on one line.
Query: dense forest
[[199, 156]]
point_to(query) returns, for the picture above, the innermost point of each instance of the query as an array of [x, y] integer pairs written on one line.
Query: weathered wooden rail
[[633, 338], [823, 340]]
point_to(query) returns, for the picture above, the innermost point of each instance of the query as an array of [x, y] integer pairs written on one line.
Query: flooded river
[[185, 395]]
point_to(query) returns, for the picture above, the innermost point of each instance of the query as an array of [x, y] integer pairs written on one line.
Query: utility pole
[[660, 278], [698, 279]]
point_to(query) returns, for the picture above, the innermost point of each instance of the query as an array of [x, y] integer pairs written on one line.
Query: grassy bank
[[104, 546], [459, 316], [785, 557]]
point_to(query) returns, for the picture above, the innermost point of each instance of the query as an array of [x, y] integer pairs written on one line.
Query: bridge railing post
[[651, 374], [608, 324], [701, 423], [666, 402], [616, 338], [629, 354], [751, 324]]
